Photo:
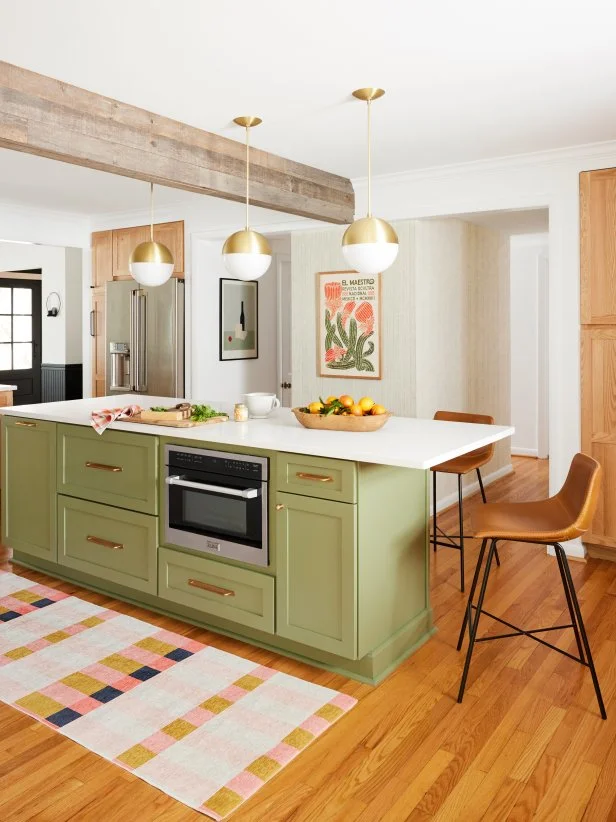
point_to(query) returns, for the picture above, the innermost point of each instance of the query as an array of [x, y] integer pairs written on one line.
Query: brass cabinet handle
[[26, 424], [279, 507], [213, 589], [100, 466], [105, 543], [315, 477]]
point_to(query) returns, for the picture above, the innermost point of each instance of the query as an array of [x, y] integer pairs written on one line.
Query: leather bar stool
[[546, 522], [472, 461]]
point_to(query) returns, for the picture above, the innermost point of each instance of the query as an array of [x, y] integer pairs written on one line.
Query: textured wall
[[315, 251], [445, 323]]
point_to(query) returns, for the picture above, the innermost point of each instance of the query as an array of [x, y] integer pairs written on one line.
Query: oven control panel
[[218, 462]]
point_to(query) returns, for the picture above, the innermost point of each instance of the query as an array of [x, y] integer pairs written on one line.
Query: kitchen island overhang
[[347, 584]]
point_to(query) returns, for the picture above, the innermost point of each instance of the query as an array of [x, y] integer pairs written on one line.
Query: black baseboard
[[61, 382]]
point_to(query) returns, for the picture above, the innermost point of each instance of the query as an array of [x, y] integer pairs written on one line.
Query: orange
[[357, 410], [366, 404], [315, 407], [347, 401], [379, 409], [330, 400]]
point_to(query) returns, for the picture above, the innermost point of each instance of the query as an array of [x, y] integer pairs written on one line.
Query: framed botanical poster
[[349, 325], [239, 320]]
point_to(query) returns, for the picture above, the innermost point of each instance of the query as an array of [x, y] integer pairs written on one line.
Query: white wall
[[61, 272], [526, 251]]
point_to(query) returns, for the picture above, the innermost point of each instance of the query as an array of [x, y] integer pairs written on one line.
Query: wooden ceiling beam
[[43, 116]]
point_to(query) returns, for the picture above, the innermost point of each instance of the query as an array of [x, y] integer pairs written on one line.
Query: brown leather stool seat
[[565, 516], [472, 461]]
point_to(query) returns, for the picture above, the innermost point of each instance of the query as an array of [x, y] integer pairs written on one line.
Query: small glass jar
[[240, 412]]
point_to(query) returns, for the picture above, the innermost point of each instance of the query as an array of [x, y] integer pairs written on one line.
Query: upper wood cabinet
[[172, 235], [126, 239], [598, 247], [102, 258]]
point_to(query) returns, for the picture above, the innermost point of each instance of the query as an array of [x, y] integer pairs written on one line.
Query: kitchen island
[[345, 582]]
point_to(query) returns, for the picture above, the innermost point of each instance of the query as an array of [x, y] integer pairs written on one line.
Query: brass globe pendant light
[[247, 254], [369, 245], [151, 263]]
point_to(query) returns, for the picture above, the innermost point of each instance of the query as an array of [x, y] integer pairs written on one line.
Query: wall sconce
[[53, 304]]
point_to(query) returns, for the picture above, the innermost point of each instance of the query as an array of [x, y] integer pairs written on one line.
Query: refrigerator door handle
[[133, 356], [143, 342]]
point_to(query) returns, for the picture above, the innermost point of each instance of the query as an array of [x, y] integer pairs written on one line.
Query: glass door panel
[[20, 337]]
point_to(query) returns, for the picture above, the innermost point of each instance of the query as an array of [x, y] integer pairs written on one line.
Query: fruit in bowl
[[343, 414]]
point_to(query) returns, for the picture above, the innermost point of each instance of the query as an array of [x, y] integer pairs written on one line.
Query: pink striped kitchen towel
[[102, 419]]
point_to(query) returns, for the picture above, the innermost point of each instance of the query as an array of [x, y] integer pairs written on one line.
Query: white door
[[283, 274]]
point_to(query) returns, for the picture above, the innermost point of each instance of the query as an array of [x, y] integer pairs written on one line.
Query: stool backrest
[[460, 416], [580, 493]]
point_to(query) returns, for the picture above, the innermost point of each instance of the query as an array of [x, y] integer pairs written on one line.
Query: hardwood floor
[[527, 743]]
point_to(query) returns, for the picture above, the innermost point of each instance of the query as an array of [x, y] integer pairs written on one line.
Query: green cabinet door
[[29, 487], [316, 586]]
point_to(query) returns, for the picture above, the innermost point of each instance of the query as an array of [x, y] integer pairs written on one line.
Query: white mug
[[261, 404]]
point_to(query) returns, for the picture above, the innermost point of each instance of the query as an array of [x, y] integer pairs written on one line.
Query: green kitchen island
[[346, 586]]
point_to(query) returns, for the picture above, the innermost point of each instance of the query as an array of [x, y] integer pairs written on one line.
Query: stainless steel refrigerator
[[145, 338]]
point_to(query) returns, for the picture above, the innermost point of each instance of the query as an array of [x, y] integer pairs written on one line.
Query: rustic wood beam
[[43, 116]]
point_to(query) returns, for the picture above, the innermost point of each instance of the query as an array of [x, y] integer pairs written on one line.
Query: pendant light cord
[[369, 160], [247, 172], [151, 212]]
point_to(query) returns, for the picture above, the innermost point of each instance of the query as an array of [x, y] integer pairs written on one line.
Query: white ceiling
[[465, 80]]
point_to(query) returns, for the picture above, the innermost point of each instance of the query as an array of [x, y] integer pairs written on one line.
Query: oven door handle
[[245, 493]]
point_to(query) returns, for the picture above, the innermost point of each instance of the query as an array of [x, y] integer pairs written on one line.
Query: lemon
[[379, 409], [356, 410], [366, 403], [347, 401], [330, 400], [315, 407]]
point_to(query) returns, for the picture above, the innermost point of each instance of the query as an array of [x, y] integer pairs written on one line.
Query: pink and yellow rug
[[206, 727]]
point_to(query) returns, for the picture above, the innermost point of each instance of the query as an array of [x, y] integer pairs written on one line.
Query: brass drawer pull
[[213, 589], [100, 466], [26, 424], [279, 507], [315, 477], [105, 543]]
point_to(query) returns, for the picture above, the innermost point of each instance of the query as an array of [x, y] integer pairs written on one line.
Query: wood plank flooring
[[527, 743]]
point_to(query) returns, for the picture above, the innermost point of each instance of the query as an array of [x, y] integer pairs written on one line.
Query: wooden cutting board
[[176, 423]]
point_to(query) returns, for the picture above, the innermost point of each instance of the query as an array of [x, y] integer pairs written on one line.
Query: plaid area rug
[[206, 727]]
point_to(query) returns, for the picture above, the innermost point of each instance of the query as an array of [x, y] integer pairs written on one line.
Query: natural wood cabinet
[[124, 241], [172, 235], [598, 345], [598, 246], [97, 334], [102, 258]]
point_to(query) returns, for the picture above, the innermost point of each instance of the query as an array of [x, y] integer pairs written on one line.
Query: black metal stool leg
[[472, 593], [461, 516], [483, 497], [580, 621], [572, 615], [483, 493], [474, 623], [434, 509]]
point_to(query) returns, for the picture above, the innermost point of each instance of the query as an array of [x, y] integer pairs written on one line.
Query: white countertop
[[403, 441], [8, 387]]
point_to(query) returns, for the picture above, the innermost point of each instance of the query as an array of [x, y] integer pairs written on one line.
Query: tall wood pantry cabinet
[[598, 345], [111, 251]]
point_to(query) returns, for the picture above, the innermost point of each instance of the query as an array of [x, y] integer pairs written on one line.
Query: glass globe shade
[[151, 264], [247, 255], [370, 245]]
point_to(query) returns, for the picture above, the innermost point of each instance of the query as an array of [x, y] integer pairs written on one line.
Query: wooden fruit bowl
[[339, 422]]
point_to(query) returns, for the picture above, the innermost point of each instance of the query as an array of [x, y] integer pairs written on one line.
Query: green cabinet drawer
[[111, 544], [317, 477], [211, 587], [29, 486], [117, 468], [316, 585]]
